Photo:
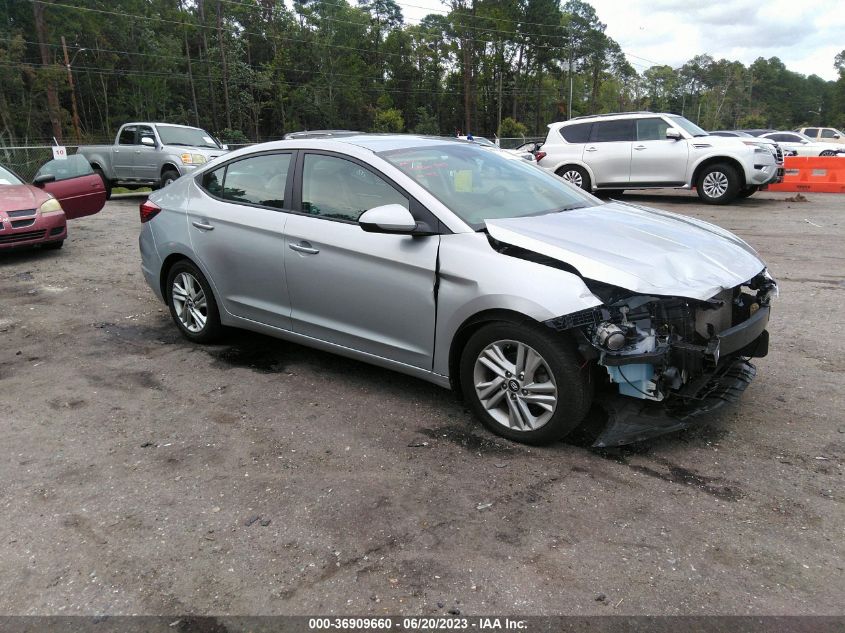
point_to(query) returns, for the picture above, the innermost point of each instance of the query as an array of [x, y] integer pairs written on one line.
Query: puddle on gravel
[[678, 475], [464, 438]]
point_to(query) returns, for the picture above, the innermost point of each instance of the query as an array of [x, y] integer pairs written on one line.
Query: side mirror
[[837, 136], [674, 134], [389, 218], [226, 147], [43, 179], [146, 140]]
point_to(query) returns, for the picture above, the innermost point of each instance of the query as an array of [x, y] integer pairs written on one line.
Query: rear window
[[127, 136], [811, 131], [577, 133], [612, 131]]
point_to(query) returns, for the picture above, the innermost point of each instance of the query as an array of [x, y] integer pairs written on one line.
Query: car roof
[[372, 142], [190, 127], [610, 115]]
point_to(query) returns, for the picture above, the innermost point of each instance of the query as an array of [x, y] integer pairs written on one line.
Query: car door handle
[[639, 147], [592, 149], [305, 247], [204, 227]]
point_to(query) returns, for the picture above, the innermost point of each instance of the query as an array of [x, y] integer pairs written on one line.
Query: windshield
[[8, 178], [686, 125], [188, 136], [479, 185]]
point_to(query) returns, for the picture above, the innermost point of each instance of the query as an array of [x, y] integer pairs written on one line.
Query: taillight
[[149, 210], [539, 155]]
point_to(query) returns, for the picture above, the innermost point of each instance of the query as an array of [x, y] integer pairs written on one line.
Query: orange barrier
[[817, 174]]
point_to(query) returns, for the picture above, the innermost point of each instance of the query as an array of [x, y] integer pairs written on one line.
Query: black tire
[[718, 184], [53, 246], [168, 176], [568, 373], [578, 176], [747, 191], [212, 329], [828, 152], [106, 183]]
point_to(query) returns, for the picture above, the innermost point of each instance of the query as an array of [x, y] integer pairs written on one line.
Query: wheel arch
[[168, 166], [716, 160]]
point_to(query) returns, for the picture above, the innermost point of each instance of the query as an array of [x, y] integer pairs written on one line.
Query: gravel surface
[[146, 475]]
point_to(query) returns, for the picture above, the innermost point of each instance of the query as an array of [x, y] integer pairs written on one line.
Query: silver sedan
[[442, 260]]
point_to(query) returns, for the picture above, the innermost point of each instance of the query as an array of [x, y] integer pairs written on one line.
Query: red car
[[37, 214]]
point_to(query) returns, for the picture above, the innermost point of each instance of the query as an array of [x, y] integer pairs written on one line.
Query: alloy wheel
[[573, 176], [190, 302], [715, 184], [515, 385]]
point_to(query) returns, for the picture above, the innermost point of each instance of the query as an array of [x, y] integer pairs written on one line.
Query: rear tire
[[525, 382], [192, 305], [718, 184], [747, 191], [576, 175], [106, 183], [168, 176]]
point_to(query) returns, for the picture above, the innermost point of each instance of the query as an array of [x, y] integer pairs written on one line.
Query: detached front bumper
[[635, 420]]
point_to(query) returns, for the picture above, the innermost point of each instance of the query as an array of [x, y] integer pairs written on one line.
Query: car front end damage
[[670, 359]]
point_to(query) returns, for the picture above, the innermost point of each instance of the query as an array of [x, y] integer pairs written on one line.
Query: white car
[[488, 144], [823, 134], [803, 145], [648, 150]]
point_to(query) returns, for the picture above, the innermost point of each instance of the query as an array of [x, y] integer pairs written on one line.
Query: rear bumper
[[49, 228], [632, 420]]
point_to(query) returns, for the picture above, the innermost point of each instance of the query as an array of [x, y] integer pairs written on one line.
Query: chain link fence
[[26, 160]]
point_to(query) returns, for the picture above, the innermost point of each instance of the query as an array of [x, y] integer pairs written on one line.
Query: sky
[[805, 34]]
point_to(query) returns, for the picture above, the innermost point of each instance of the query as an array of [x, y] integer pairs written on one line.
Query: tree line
[[256, 69]]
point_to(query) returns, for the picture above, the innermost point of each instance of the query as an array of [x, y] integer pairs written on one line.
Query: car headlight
[[759, 147], [193, 159], [50, 206]]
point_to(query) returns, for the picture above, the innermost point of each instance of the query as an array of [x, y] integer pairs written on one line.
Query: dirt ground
[[146, 475]]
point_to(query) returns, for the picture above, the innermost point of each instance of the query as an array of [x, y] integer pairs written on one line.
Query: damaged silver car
[[444, 261]]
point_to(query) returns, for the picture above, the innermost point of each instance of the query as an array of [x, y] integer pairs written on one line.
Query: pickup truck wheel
[[578, 176], [717, 184], [168, 176], [106, 183], [748, 191], [525, 382]]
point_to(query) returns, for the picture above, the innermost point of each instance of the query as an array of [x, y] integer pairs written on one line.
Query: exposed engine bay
[[687, 354]]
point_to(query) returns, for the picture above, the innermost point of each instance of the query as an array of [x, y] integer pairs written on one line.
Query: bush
[[233, 136], [426, 123], [752, 122], [511, 128], [389, 120]]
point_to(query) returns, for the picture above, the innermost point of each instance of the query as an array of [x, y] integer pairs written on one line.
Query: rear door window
[[651, 129], [127, 135], [259, 180], [577, 133], [613, 131], [812, 132]]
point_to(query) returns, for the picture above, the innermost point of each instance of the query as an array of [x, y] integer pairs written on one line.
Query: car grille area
[[26, 236]]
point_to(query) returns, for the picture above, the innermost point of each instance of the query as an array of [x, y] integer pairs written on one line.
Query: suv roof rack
[[595, 116]]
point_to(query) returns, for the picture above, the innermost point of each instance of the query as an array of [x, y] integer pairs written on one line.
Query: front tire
[[578, 176], [747, 191], [525, 383], [192, 305], [828, 152], [718, 184]]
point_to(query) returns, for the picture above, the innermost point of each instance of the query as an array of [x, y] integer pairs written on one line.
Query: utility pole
[[499, 117], [72, 92], [225, 69]]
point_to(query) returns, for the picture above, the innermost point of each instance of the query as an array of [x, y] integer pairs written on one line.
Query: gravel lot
[[146, 475]]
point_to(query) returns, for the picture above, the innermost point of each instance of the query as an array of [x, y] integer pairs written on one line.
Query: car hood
[[640, 249], [20, 197]]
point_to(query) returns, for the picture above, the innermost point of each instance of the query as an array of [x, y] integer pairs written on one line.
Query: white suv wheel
[[574, 177]]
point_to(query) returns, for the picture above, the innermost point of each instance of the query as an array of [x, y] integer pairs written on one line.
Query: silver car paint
[[346, 314], [645, 251]]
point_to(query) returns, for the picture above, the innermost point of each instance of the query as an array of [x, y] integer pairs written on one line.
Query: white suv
[[644, 150]]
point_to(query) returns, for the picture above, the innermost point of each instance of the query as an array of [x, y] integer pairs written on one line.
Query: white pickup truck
[[151, 154]]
